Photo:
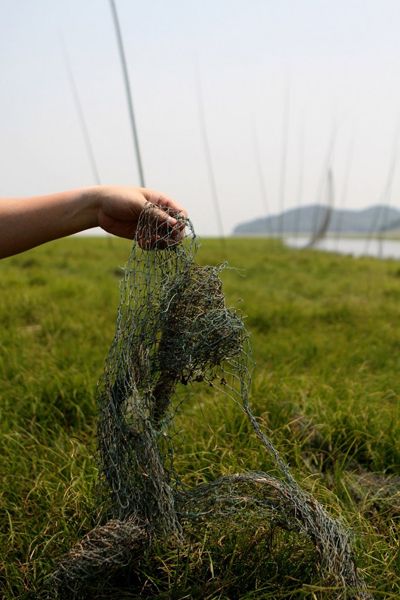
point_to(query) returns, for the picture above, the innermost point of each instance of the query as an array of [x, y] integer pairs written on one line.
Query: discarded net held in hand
[[173, 326]]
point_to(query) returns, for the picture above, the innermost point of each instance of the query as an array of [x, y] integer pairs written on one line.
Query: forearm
[[28, 222]]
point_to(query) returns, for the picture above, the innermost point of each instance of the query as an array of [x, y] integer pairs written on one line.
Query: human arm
[[29, 222]]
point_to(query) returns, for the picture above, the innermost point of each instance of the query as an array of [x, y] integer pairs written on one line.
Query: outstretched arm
[[28, 222]]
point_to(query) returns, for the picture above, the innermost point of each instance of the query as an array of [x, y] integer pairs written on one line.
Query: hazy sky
[[334, 65]]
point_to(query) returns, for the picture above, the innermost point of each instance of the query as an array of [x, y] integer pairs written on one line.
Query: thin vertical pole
[[386, 195], [321, 185], [343, 200], [261, 179], [300, 181], [388, 198], [207, 152], [128, 91], [80, 114], [320, 234], [282, 180]]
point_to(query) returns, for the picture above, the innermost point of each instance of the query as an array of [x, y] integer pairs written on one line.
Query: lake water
[[352, 246]]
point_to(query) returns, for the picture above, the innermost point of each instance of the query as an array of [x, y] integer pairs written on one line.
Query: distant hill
[[308, 219]]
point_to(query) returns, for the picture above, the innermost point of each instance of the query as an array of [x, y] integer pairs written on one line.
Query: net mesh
[[173, 327]]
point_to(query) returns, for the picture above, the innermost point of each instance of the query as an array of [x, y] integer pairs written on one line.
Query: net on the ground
[[173, 327]]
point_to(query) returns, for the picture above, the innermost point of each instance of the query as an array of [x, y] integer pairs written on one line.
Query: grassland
[[326, 339]]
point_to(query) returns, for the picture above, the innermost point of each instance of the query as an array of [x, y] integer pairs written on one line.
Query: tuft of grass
[[326, 387]]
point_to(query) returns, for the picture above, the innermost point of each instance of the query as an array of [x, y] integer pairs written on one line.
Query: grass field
[[326, 339]]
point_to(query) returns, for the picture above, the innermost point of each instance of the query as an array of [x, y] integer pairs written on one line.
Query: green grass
[[326, 339]]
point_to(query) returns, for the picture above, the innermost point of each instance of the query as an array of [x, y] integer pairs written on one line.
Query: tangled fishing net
[[173, 327]]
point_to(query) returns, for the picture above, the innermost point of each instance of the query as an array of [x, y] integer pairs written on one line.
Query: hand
[[120, 208], [28, 222]]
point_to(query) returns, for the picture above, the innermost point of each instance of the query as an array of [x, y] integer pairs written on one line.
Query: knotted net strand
[[173, 327]]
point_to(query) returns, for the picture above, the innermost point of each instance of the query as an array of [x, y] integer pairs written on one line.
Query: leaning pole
[[128, 92]]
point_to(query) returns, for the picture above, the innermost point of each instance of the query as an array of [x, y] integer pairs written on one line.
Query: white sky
[[339, 59]]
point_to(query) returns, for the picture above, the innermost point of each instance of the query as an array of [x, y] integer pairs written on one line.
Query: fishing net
[[173, 327]]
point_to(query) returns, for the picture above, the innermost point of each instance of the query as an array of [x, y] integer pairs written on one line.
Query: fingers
[[159, 229], [159, 233], [164, 202], [169, 219]]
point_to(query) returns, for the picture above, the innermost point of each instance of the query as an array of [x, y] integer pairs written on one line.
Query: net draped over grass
[[173, 327]]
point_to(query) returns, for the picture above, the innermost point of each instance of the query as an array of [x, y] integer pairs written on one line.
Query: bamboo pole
[[261, 178], [386, 194], [80, 114], [207, 152], [128, 92], [285, 139]]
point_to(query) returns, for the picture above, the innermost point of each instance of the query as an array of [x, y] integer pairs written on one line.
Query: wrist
[[90, 203]]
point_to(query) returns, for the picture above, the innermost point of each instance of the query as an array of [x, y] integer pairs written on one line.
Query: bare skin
[[29, 222]]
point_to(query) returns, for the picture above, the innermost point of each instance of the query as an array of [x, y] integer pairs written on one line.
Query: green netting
[[173, 327]]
